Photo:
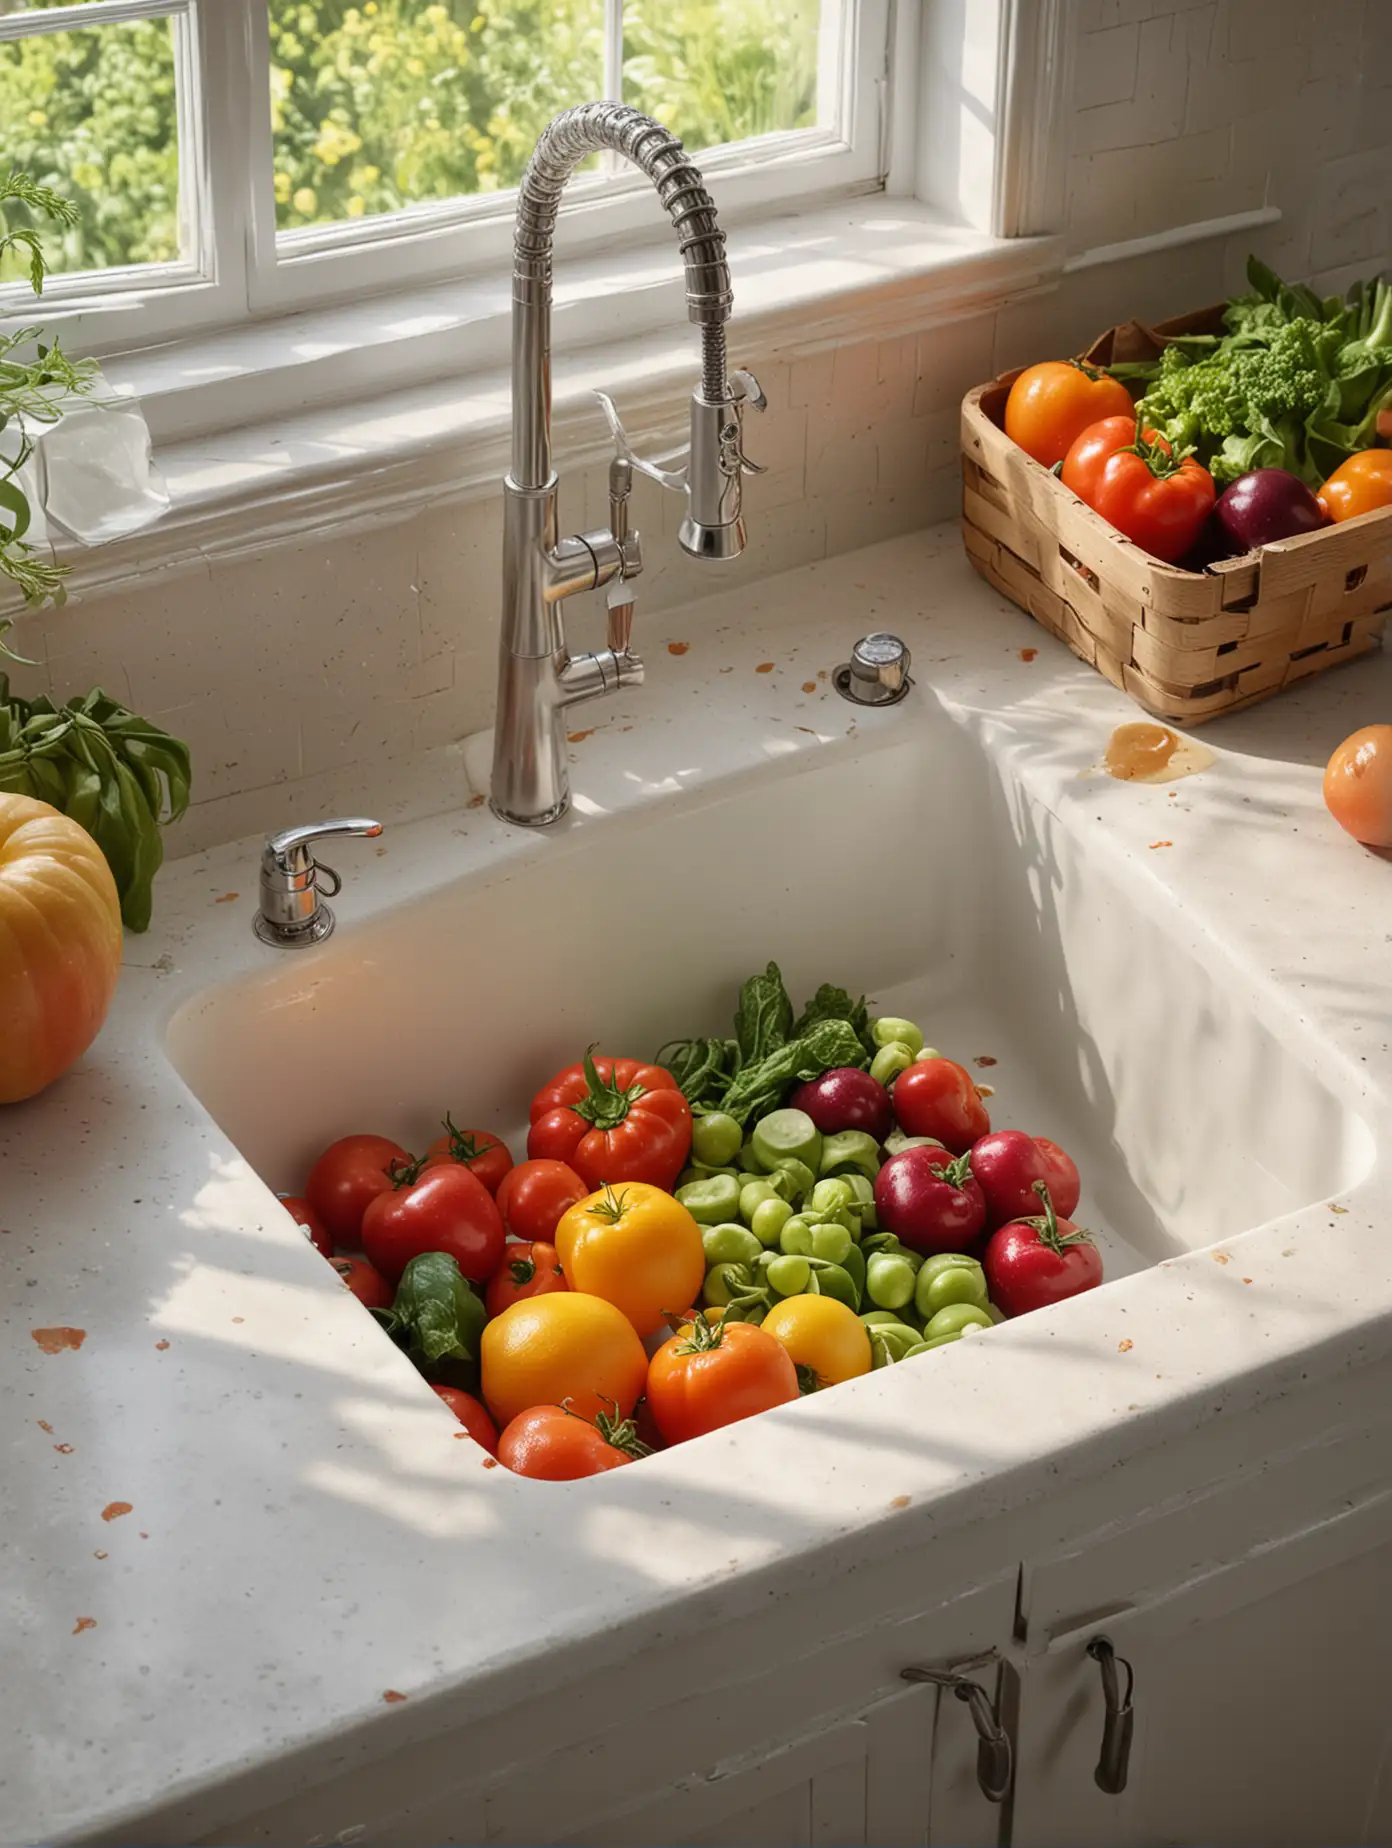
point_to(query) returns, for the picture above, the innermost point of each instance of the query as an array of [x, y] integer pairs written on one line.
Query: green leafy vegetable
[[750, 1074], [113, 772], [1295, 382], [435, 1316]]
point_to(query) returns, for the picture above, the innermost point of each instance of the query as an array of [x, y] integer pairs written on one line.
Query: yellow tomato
[[547, 1349], [60, 944], [821, 1335], [638, 1248]]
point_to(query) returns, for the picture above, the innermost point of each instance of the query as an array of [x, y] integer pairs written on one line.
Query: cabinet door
[[1261, 1708]]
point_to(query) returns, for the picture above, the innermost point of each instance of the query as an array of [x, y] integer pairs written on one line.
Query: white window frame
[[240, 268]]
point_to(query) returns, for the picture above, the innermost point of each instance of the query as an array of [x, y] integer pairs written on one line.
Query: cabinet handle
[[993, 1755], [1120, 1720]]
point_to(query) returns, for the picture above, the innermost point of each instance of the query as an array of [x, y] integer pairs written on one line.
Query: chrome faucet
[[538, 678]]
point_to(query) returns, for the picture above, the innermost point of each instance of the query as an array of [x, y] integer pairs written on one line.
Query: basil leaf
[[435, 1316], [702, 1067], [761, 1087], [764, 1016], [831, 1003]]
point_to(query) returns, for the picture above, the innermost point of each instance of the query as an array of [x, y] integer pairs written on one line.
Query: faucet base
[[543, 820]]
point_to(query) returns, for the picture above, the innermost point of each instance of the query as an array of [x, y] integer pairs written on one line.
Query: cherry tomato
[[305, 1217], [349, 1174], [715, 1374], [445, 1210], [535, 1195], [929, 1201], [1358, 785], [527, 1269], [936, 1097], [1136, 483], [613, 1120], [365, 1281], [1007, 1163], [471, 1415], [553, 1444], [1033, 1262], [1360, 485], [1051, 404], [479, 1150]]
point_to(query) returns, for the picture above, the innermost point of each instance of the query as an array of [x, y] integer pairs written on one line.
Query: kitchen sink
[[908, 863]]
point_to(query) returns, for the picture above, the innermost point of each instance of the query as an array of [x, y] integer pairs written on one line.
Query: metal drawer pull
[[993, 1754], [1120, 1722]]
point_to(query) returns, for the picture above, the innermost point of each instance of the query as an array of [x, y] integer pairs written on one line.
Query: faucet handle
[[674, 478], [291, 912], [745, 389]]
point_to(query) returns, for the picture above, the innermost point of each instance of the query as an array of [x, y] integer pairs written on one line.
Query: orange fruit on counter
[[547, 1349], [638, 1248], [1358, 785]]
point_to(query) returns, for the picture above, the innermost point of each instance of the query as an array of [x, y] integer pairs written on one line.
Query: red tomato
[[346, 1176], [613, 1120], [528, 1269], [711, 1375], [445, 1210], [1033, 1262], [305, 1216], [471, 1415], [479, 1150], [1006, 1165], [536, 1195], [552, 1444], [929, 1201], [365, 1281], [936, 1097], [1135, 482]]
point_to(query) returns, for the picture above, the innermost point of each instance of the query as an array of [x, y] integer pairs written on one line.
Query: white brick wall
[[331, 654]]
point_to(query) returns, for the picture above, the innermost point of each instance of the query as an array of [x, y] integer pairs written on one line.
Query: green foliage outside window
[[385, 103]]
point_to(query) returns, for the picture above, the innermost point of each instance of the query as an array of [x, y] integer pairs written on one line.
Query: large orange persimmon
[[60, 944]]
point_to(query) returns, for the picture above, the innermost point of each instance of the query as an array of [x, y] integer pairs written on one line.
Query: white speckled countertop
[[204, 1577]]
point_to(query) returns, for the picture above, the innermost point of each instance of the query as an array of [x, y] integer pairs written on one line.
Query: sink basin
[[908, 863]]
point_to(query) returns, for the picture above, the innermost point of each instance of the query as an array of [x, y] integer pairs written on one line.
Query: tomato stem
[[1155, 452], [611, 1207], [607, 1103], [1047, 1226], [463, 1147], [701, 1335], [618, 1432], [406, 1173]]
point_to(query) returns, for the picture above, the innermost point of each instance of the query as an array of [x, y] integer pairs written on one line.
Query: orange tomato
[[60, 944], [826, 1341], [1358, 785], [471, 1415], [566, 1346], [709, 1376], [638, 1248], [1360, 485], [1051, 404], [550, 1443]]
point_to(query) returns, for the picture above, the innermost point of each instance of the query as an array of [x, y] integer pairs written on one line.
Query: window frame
[[241, 268]]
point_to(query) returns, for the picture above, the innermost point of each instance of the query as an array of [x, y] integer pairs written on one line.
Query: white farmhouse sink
[[905, 862]]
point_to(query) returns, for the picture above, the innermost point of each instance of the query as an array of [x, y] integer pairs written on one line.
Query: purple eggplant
[[1261, 507], [845, 1098]]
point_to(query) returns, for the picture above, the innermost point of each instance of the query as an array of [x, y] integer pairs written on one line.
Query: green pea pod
[[923, 1347], [863, 1199], [786, 1134], [795, 1240], [889, 1030], [940, 1285], [883, 1318], [832, 1242], [854, 1266], [889, 1280], [888, 1243], [954, 1320], [891, 1344], [753, 1194], [831, 1280], [725, 1282], [889, 1061], [800, 1178], [715, 1139], [788, 1276], [831, 1196], [746, 1309], [730, 1244], [712, 1201], [770, 1217], [851, 1149]]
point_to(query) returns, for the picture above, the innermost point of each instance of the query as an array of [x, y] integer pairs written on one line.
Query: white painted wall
[[381, 641]]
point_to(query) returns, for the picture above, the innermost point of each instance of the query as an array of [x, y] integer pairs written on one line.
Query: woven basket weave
[[1185, 645]]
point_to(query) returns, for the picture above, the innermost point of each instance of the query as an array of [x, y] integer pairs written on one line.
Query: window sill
[[400, 400]]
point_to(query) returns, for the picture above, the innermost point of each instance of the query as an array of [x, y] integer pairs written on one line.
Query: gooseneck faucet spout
[[538, 678]]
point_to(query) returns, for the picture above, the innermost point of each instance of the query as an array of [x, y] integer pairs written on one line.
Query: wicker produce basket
[[1186, 645]]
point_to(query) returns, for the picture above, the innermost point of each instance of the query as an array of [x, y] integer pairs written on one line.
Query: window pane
[[392, 103], [722, 70], [92, 114]]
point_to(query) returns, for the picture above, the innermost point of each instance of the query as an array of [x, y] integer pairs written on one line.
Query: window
[[229, 156]]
